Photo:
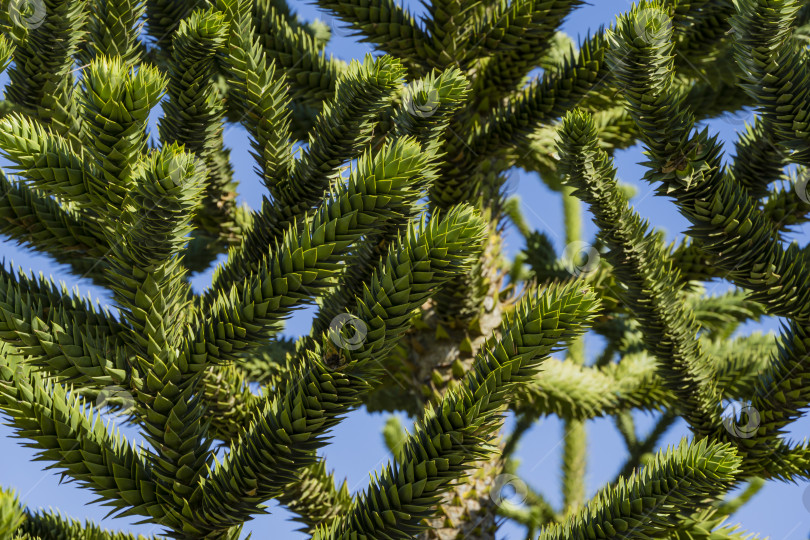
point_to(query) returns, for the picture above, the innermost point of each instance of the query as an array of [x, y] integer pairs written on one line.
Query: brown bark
[[441, 357]]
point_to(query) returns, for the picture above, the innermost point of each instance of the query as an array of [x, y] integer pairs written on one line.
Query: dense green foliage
[[385, 207]]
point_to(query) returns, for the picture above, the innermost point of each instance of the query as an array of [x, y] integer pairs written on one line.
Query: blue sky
[[781, 511]]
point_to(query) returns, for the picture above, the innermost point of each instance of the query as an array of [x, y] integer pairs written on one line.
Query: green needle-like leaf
[[650, 503]]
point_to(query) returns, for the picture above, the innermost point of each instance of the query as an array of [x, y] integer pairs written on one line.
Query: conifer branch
[[428, 106], [720, 315], [11, 513], [115, 111], [193, 117], [389, 26], [758, 160], [315, 499], [55, 423], [650, 502], [618, 130], [458, 430], [113, 29], [344, 127], [261, 96], [446, 23], [581, 393], [575, 435], [61, 333], [415, 310], [154, 299], [787, 462], [780, 393], [642, 266], [302, 265], [154, 224], [579, 72], [505, 26], [688, 169], [46, 159], [426, 109], [162, 19], [701, 34], [772, 62], [32, 219], [506, 125], [21, 523], [312, 497], [228, 401], [311, 74], [6, 51], [533, 24], [41, 83], [284, 434]]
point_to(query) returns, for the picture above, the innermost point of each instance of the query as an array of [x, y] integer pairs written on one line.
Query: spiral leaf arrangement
[[385, 207]]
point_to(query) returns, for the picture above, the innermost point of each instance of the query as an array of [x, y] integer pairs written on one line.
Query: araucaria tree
[[385, 207]]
